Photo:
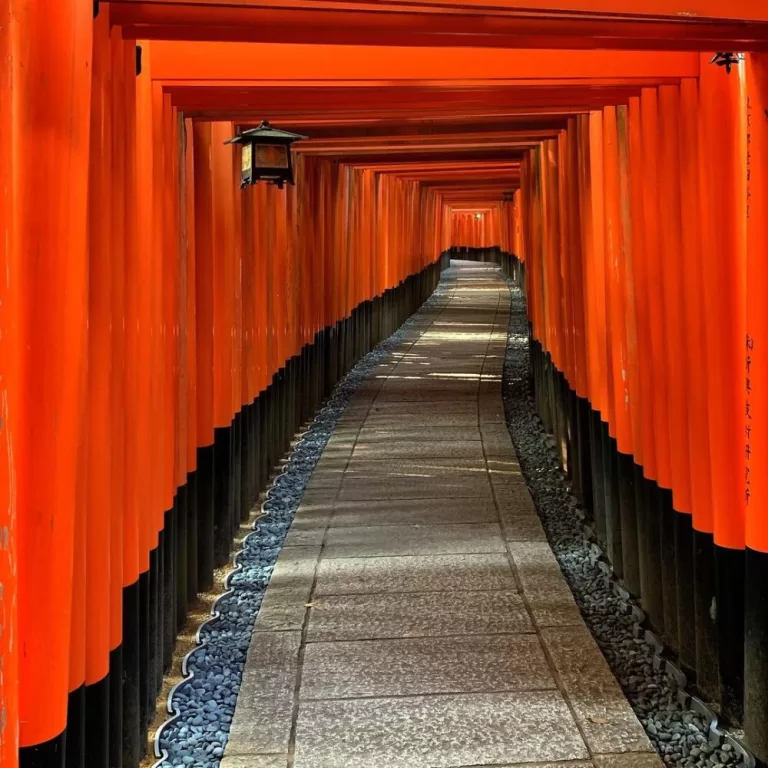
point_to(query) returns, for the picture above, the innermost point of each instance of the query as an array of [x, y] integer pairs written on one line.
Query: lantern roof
[[265, 132]]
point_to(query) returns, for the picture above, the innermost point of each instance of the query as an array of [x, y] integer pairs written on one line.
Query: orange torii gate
[[117, 244]]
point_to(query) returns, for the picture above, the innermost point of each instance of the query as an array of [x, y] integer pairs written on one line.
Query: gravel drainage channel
[[202, 704], [682, 729]]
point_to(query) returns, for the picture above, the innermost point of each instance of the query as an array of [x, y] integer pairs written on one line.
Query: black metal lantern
[[507, 197], [266, 155]]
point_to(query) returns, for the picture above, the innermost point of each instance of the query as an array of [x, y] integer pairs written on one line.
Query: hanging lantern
[[507, 197], [266, 155]]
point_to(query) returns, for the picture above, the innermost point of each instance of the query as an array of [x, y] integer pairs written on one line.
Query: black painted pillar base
[[641, 519], [628, 511], [236, 479], [705, 613], [180, 556], [151, 612], [222, 500], [571, 449], [192, 538], [686, 621], [49, 754], [205, 517], [668, 568], [168, 606], [612, 504], [75, 743], [97, 724], [574, 459], [132, 704], [654, 601], [150, 636], [598, 478], [729, 570], [116, 708], [756, 653], [583, 418]]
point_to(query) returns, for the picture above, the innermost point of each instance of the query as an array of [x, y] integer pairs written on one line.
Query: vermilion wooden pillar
[[755, 391], [51, 130], [676, 538], [706, 662], [722, 142], [642, 380], [628, 375], [616, 339], [9, 638], [100, 499]]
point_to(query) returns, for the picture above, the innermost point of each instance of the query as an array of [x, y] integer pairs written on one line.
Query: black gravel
[[682, 736]]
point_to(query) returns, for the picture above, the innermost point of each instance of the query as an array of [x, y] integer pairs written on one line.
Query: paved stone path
[[416, 617]]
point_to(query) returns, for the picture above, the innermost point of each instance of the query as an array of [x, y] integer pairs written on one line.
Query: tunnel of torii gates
[[163, 332]]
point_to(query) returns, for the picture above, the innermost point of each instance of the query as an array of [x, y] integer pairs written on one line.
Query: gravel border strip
[[681, 727], [201, 706]]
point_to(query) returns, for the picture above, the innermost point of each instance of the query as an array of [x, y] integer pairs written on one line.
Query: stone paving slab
[[412, 667], [264, 713], [523, 528], [420, 416], [436, 731], [496, 441], [289, 591], [409, 433], [423, 470], [418, 449], [255, 761], [315, 511], [431, 573], [605, 716], [416, 614], [384, 405], [629, 760], [505, 472], [550, 599], [439, 511], [387, 540], [417, 617], [413, 488]]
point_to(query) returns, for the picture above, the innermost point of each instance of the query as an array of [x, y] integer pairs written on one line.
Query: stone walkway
[[416, 617]]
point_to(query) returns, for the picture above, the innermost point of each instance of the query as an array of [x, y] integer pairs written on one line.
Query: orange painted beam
[[405, 139], [413, 116], [528, 126], [282, 107], [172, 60], [438, 26], [320, 151], [621, 9]]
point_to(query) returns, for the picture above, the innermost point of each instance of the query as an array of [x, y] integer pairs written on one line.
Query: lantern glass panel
[[270, 156], [247, 157]]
